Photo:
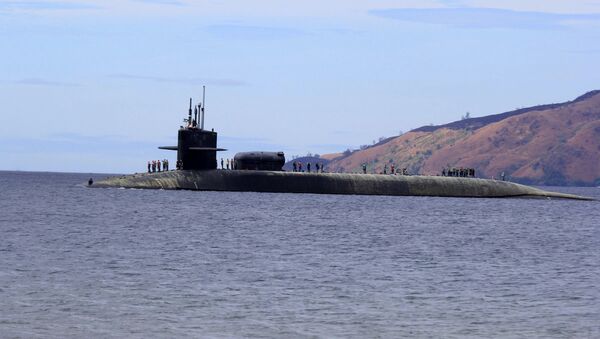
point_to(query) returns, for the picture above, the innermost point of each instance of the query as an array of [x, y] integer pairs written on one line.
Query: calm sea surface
[[80, 262]]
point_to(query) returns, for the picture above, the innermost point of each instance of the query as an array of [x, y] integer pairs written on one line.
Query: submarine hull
[[328, 183]]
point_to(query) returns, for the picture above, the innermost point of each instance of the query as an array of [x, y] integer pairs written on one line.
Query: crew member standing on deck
[[149, 166]]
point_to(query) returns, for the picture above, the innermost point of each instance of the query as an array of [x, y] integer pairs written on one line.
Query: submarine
[[262, 171]]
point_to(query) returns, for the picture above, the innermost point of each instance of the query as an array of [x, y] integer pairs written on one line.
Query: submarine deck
[[329, 183]]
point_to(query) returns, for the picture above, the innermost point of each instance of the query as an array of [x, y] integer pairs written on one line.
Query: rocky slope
[[557, 144]]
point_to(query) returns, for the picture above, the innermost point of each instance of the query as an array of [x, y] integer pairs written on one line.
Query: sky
[[96, 86]]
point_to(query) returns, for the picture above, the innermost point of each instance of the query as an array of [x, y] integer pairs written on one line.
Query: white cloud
[[184, 81], [45, 82], [282, 9], [467, 17], [162, 2], [45, 5], [245, 32], [548, 6]]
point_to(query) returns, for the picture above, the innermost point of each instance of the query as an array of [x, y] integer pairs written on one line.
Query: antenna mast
[[190, 114], [203, 105], [198, 109]]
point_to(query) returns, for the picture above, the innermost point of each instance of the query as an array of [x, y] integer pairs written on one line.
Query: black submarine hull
[[327, 183]]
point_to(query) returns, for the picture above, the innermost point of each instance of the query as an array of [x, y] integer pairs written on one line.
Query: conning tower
[[196, 148]]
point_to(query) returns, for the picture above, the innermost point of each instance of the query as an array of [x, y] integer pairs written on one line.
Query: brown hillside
[[555, 144], [331, 156], [409, 151]]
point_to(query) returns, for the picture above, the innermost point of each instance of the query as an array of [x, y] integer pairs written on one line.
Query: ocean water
[[80, 262]]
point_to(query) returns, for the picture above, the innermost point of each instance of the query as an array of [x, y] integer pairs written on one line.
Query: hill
[[555, 144]]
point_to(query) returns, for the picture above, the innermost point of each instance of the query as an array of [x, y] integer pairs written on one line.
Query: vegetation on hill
[[556, 144]]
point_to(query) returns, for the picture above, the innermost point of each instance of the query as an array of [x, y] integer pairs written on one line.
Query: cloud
[[243, 32], [342, 132], [43, 82], [586, 51], [453, 3], [245, 139], [338, 147], [79, 153], [162, 2], [248, 143], [43, 5], [75, 143], [466, 17], [185, 81]]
